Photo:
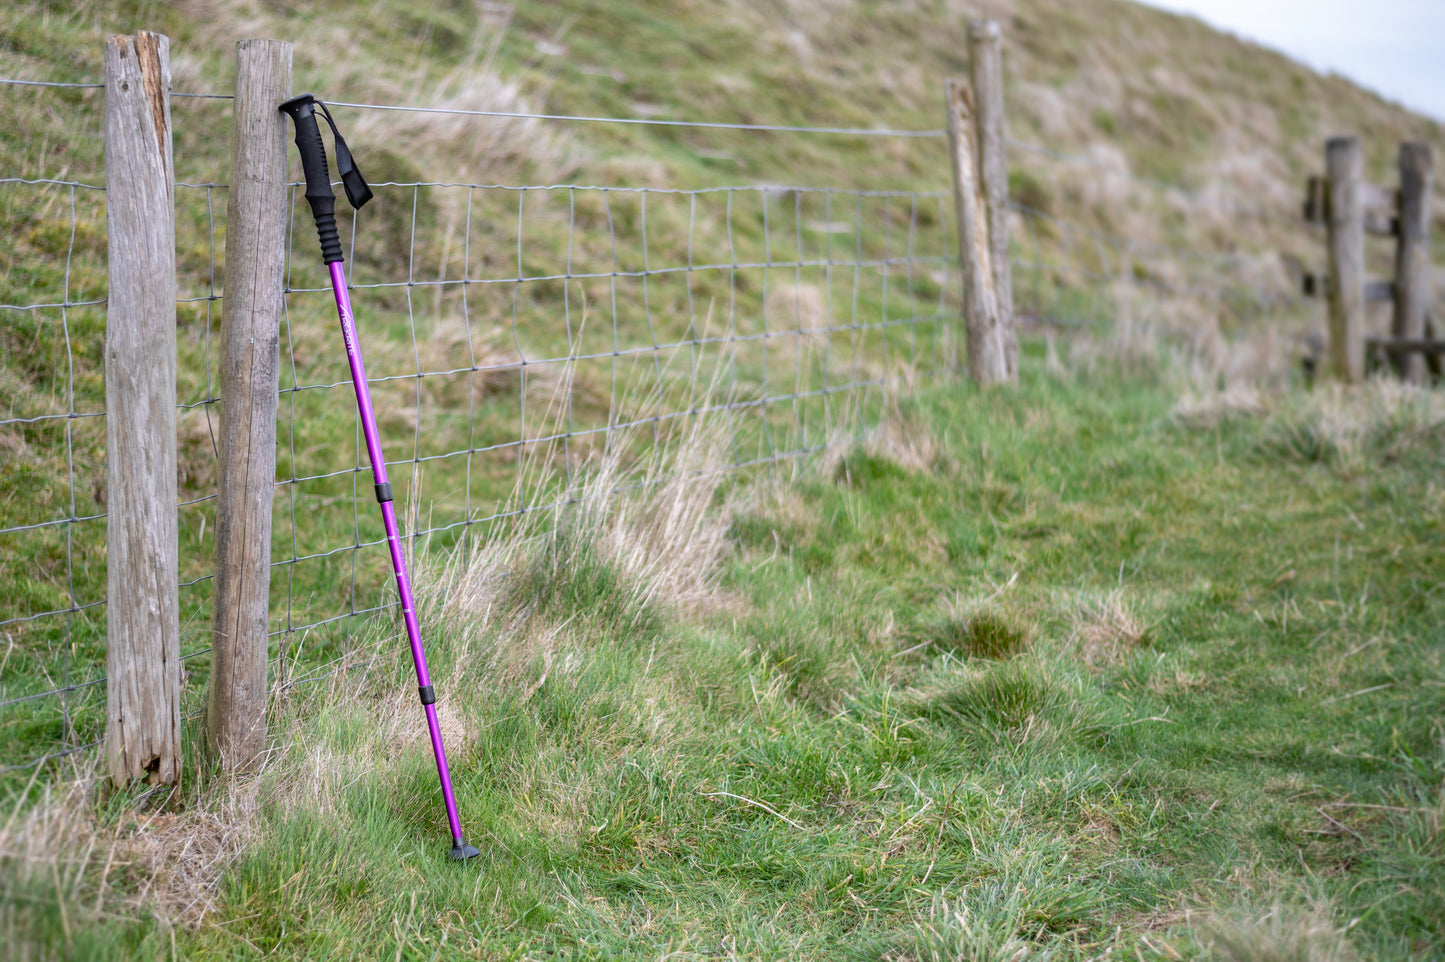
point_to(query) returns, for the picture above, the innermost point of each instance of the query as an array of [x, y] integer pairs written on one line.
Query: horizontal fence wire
[[574, 118], [652, 121], [514, 335]]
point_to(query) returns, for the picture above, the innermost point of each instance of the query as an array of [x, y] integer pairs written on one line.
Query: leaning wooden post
[[1412, 254], [143, 719], [988, 353], [1344, 169], [985, 43], [250, 343]]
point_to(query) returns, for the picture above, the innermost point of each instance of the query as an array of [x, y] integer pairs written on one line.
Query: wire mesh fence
[[611, 311], [504, 326]]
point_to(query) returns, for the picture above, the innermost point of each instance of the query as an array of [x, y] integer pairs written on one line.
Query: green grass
[[1079, 669], [790, 773]]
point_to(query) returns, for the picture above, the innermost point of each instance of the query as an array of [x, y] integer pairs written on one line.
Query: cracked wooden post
[[985, 45], [1412, 254], [1344, 169], [984, 328], [143, 720], [250, 370]]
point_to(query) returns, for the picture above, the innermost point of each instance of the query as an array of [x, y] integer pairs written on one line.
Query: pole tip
[[462, 851]]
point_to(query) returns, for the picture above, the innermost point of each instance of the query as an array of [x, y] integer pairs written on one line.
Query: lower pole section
[[460, 849]]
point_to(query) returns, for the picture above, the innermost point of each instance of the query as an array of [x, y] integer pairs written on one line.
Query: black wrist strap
[[357, 190]]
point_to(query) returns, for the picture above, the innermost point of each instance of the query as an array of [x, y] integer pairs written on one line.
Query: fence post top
[[250, 42], [131, 39], [1417, 148], [1342, 142], [985, 30]]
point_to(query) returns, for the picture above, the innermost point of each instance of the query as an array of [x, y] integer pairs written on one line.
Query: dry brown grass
[[775, 499], [484, 360], [1207, 409], [655, 519], [1107, 629], [905, 440], [160, 863], [898, 436], [1351, 427], [801, 309], [1279, 934]]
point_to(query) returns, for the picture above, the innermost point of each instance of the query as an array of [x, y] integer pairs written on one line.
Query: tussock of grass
[[973, 927], [986, 634], [628, 544], [1348, 428], [997, 627], [906, 440], [1352, 428], [1281, 933], [808, 659], [67, 862], [1208, 409], [1018, 904], [1015, 703], [1107, 629], [902, 442]]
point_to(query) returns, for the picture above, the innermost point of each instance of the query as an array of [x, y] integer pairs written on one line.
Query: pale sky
[[1394, 47]]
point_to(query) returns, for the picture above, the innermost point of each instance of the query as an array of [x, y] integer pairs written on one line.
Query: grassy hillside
[[1140, 656], [1135, 90]]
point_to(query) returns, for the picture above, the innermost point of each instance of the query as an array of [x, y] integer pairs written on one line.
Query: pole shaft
[[393, 539]]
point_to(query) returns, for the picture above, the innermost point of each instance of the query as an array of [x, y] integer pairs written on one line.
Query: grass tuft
[[1208, 409], [990, 633], [1351, 429], [1014, 703], [631, 541], [1107, 630], [1281, 934]]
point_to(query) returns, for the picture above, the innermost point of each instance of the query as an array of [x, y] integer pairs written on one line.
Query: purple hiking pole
[[323, 208]]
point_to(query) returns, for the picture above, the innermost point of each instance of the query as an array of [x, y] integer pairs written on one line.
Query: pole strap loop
[[357, 190]]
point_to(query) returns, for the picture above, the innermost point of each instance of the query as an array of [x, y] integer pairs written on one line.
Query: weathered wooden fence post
[[250, 336], [985, 43], [1412, 254], [143, 721], [1344, 170], [986, 333]]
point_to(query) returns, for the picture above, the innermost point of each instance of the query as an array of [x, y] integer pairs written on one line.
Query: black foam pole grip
[[318, 180]]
